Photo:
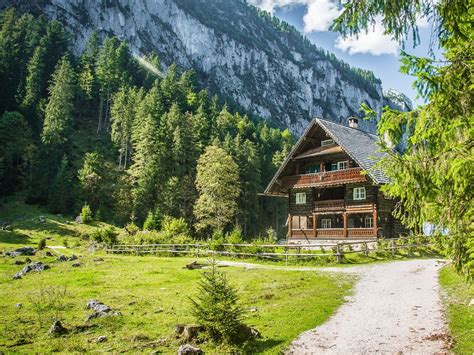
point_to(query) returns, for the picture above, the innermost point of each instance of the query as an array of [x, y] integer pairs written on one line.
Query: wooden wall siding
[[370, 193], [325, 178], [383, 203], [301, 209]]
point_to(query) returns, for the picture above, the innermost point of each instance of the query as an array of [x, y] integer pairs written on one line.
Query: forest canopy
[[103, 130]]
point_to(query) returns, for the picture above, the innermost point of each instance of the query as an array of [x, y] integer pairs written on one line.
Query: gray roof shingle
[[361, 146]]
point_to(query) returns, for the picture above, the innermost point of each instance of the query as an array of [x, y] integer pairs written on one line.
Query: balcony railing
[[329, 205], [334, 233], [324, 178]]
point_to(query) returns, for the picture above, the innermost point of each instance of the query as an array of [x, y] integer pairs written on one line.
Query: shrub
[[86, 214], [105, 235], [153, 220], [217, 240], [42, 244], [234, 237], [174, 226], [216, 308], [132, 228]]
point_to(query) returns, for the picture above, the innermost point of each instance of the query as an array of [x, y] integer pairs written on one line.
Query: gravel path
[[395, 308]]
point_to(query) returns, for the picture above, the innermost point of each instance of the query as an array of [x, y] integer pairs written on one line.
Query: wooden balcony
[[322, 233], [329, 205], [325, 178]]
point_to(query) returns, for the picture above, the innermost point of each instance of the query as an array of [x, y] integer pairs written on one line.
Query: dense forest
[[124, 137]]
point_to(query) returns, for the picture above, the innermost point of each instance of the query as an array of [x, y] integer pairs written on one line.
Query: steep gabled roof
[[361, 146]]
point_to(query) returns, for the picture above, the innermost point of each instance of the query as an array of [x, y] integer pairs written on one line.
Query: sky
[[373, 50]]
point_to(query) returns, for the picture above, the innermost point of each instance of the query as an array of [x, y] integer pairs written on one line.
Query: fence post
[[338, 253], [286, 255], [366, 249], [393, 247]]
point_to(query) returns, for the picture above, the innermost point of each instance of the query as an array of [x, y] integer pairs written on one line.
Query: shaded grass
[[457, 295]]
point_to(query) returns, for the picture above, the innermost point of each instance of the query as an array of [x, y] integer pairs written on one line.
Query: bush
[[174, 226], [132, 228], [216, 308], [153, 220], [234, 237], [217, 240], [104, 235], [86, 214], [42, 244]]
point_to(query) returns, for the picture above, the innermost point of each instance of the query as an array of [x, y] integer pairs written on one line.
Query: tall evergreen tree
[[218, 184], [123, 112], [59, 109]]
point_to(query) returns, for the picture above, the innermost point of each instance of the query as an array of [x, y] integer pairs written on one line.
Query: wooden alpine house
[[333, 186]]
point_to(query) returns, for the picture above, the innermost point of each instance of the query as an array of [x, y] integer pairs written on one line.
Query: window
[[312, 169], [359, 193], [327, 142], [368, 222], [301, 222], [325, 223], [300, 198], [333, 166], [342, 165]]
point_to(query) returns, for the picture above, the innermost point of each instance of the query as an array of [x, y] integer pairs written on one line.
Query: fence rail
[[272, 251]]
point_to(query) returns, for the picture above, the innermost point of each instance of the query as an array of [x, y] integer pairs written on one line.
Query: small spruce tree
[[86, 214], [217, 307]]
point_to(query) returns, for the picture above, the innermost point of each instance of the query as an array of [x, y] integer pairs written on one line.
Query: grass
[[151, 293], [457, 295]]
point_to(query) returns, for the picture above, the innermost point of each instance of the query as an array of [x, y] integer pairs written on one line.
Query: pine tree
[[218, 185], [216, 307], [60, 195], [123, 112], [92, 178], [58, 112]]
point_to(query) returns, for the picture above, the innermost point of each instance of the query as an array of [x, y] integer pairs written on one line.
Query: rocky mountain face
[[245, 55]]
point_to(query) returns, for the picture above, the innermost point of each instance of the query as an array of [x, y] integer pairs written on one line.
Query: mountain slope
[[250, 58]]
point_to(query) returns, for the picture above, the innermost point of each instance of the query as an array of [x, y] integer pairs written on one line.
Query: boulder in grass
[[48, 253], [188, 349], [76, 264], [22, 251], [102, 339], [72, 257], [247, 333], [57, 329], [100, 310], [61, 258], [78, 219], [34, 266]]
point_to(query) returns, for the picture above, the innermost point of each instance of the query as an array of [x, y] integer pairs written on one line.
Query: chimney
[[353, 122]]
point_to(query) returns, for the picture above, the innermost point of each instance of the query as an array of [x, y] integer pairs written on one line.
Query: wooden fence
[[273, 251]]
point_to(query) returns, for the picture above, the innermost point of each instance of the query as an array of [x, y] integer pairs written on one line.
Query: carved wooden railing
[[334, 233], [324, 178], [328, 205], [330, 232], [360, 232]]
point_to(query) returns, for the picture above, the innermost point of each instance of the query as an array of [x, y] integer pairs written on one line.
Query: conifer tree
[[60, 195], [218, 184], [59, 109]]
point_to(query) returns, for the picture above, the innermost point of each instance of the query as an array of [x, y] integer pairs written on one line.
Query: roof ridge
[[343, 125]]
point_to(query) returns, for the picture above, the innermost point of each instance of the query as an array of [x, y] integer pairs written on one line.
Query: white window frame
[[326, 142], [326, 223], [359, 194], [343, 164], [300, 198], [369, 222]]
